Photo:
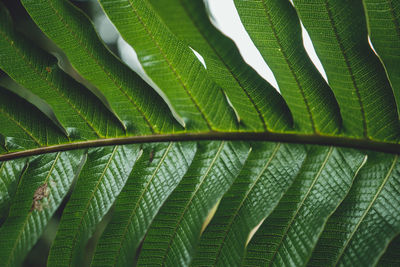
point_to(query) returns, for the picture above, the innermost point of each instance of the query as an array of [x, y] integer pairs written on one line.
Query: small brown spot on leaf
[[41, 192], [48, 69], [151, 156]]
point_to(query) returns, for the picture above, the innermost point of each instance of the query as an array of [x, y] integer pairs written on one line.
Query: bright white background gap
[[225, 17]]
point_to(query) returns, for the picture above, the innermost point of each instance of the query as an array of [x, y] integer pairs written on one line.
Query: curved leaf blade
[[10, 173], [40, 191], [384, 29], [172, 66], [290, 233], [152, 180], [258, 104], [175, 231], [367, 220], [142, 110], [355, 73], [3, 147], [26, 128], [79, 111], [100, 182], [267, 174], [392, 254], [275, 29]]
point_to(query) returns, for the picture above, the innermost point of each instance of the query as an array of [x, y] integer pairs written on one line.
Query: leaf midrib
[[339, 141]]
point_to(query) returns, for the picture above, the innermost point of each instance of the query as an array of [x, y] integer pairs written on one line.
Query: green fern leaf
[[269, 172], [203, 164], [25, 128], [188, 20], [172, 66]]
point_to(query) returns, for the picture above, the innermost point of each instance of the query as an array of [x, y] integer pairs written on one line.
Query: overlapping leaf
[[81, 113], [172, 66], [154, 177], [367, 220], [384, 28], [245, 88], [324, 180], [285, 204], [275, 29], [267, 174], [101, 180], [10, 173], [26, 128], [392, 254], [135, 102], [354, 72], [173, 236], [3, 147]]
